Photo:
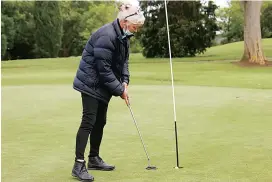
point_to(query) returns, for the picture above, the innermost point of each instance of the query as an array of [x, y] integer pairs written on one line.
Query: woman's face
[[133, 27]]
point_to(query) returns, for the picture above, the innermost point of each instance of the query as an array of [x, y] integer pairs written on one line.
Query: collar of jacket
[[120, 34]]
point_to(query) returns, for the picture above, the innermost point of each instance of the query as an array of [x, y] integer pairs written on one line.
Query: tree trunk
[[66, 52], [253, 52]]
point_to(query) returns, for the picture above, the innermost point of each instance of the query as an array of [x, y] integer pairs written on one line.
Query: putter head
[[151, 168]]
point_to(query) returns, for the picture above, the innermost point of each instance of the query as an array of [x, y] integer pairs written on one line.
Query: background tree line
[[231, 21], [39, 29], [192, 27]]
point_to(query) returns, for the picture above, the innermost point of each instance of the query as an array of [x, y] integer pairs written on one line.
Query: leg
[[97, 132], [90, 107], [95, 161]]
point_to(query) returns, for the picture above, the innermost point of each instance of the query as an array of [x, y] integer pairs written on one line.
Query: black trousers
[[94, 117]]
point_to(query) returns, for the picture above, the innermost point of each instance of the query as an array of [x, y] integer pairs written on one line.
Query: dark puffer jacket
[[104, 63]]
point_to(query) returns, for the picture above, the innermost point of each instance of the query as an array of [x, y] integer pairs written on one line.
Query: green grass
[[233, 51], [187, 71], [223, 115]]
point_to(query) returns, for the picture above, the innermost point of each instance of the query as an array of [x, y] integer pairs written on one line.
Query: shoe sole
[[101, 169], [83, 180]]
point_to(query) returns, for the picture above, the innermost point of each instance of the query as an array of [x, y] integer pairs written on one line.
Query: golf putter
[[149, 167]]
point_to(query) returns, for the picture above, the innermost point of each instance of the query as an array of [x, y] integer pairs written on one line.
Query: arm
[[125, 73], [103, 51]]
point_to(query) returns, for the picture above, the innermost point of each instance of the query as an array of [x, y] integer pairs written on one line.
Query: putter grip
[[127, 101]]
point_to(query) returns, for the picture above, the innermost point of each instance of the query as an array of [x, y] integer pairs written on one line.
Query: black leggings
[[94, 117]]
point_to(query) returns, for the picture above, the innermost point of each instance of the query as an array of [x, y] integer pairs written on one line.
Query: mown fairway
[[224, 115]]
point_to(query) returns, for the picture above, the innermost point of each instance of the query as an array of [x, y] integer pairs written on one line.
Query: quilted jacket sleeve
[[125, 72], [103, 51]]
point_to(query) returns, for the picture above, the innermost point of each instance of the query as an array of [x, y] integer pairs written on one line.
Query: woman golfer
[[102, 73]]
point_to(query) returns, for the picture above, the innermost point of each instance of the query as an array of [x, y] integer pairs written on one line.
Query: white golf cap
[[130, 10]]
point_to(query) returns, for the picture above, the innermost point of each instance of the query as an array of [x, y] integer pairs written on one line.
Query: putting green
[[224, 134], [223, 116]]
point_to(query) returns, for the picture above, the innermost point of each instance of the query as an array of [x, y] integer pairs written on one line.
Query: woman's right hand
[[125, 94]]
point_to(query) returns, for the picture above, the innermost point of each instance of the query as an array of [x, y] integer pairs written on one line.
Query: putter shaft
[[139, 134]]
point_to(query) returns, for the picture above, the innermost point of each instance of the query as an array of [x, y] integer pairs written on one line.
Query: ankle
[[80, 160], [93, 155]]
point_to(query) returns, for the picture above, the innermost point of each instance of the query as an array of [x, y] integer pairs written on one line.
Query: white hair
[[130, 10]]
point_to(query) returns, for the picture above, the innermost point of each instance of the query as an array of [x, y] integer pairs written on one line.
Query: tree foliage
[[231, 21], [192, 28], [32, 29], [80, 19], [48, 28], [17, 28], [232, 24], [266, 20], [72, 41]]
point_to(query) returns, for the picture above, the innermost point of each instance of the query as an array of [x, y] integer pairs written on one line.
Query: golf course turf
[[224, 115]]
